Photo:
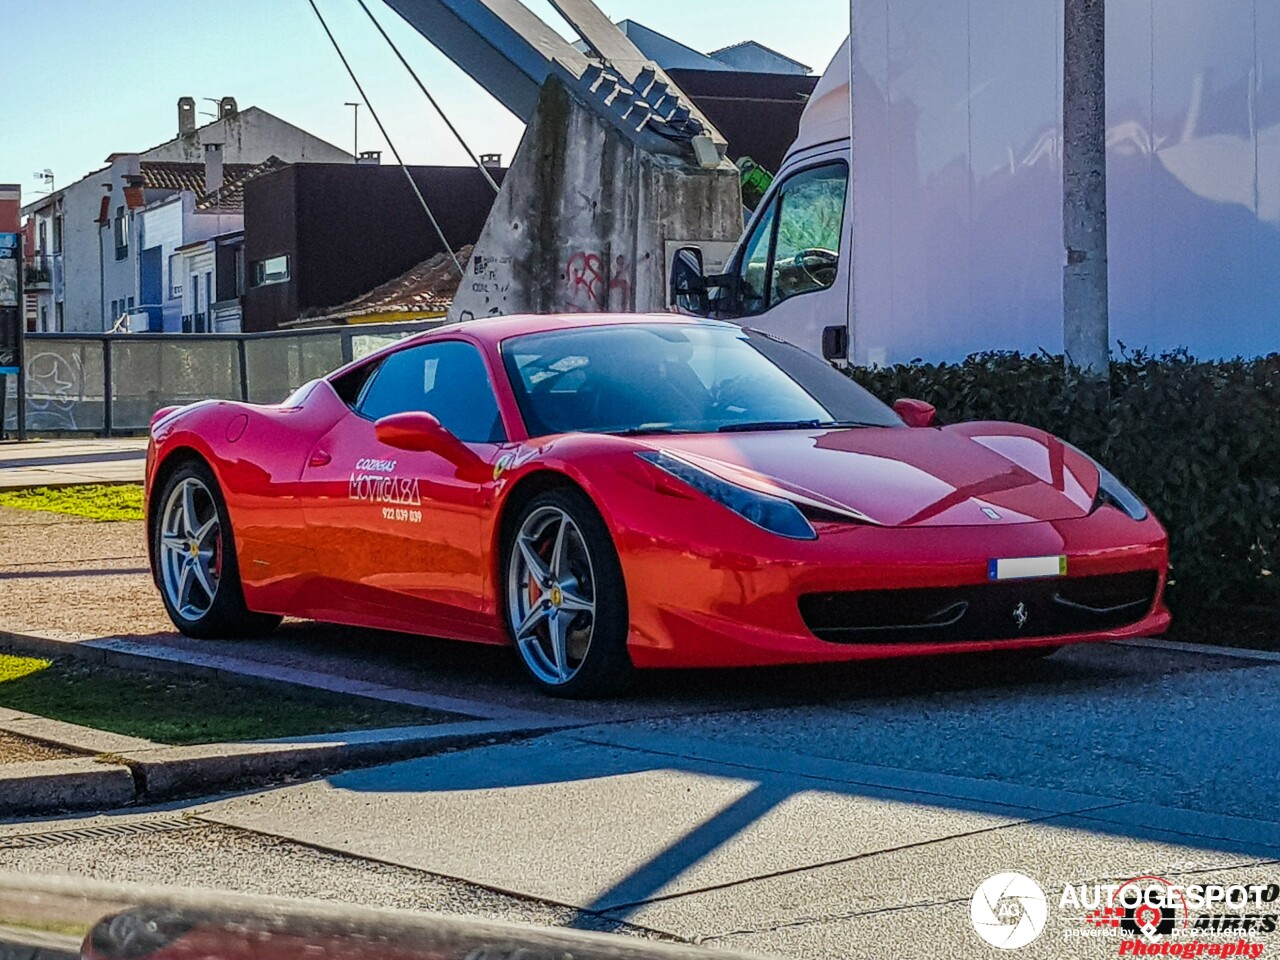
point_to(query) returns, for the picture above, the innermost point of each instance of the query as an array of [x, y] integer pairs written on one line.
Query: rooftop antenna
[[45, 176]]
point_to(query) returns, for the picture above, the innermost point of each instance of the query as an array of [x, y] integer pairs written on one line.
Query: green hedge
[[1198, 441]]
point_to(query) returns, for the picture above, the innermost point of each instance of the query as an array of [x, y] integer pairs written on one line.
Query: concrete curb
[[159, 773], [120, 770], [122, 652], [34, 945], [48, 786], [1209, 650], [71, 736], [174, 773]]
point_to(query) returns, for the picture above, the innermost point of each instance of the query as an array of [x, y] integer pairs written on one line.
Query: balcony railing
[[37, 274]]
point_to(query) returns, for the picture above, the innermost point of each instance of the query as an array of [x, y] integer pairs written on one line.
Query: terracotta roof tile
[[427, 288], [231, 196], [176, 176]]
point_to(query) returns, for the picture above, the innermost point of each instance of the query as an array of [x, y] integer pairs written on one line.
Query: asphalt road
[[812, 813]]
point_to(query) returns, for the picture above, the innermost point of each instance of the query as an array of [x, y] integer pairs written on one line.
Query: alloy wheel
[[551, 595], [190, 549]]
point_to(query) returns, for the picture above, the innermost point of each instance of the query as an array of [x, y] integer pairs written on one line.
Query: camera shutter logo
[[1008, 910]]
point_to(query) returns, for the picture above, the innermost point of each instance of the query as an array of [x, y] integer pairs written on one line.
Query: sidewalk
[[57, 463]]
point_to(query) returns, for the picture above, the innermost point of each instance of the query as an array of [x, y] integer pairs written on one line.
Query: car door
[[790, 277], [397, 533]]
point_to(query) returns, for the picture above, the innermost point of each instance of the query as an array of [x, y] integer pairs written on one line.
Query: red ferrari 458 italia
[[607, 493]]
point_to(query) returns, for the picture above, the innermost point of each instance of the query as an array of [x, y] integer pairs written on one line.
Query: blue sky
[[86, 78]]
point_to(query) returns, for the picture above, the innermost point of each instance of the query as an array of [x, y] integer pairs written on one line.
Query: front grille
[[1003, 610]]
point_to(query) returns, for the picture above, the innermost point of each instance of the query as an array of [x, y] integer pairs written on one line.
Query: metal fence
[[111, 383]]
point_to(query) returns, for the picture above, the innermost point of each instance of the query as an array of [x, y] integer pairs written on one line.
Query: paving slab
[[597, 826], [942, 927], [53, 463], [1053, 852], [1202, 740], [120, 850]]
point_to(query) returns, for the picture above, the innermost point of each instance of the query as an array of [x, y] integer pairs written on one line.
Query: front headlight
[[1111, 491], [778, 516]]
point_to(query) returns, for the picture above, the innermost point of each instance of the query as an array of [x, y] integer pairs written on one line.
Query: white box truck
[[932, 226]]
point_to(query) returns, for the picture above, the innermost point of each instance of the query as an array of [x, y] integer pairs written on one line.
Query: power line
[[386, 136], [426, 93]]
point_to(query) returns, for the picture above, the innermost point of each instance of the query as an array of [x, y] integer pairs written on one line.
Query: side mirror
[[688, 283], [835, 343], [423, 433], [915, 413]]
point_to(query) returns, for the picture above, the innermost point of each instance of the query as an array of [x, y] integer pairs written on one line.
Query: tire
[[576, 596], [195, 560]]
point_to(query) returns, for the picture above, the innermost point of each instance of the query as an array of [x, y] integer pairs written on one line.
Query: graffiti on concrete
[[55, 385], [491, 280], [592, 283]]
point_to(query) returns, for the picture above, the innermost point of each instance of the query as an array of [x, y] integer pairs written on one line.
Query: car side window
[[448, 380], [753, 272], [806, 251]]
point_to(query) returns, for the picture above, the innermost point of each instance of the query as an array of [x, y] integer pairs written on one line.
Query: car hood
[[966, 475]]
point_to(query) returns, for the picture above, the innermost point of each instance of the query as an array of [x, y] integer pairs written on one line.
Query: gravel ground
[[216, 857], [48, 567], [16, 749]]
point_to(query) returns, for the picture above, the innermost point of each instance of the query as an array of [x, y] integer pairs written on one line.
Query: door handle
[[321, 458]]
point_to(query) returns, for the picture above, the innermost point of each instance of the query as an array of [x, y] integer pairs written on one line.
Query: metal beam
[[510, 52], [614, 47], [499, 43]]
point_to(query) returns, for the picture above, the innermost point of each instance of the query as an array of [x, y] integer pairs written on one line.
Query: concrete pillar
[[1086, 326], [586, 219]]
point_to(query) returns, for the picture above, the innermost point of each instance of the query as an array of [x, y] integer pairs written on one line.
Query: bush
[[1198, 441]]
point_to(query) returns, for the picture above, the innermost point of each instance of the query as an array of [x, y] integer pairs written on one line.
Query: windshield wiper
[[643, 430], [791, 425]]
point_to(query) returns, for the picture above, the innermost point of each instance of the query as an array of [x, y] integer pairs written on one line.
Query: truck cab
[[789, 274]]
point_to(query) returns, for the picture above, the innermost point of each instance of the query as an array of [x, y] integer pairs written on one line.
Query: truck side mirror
[[688, 283], [835, 343]]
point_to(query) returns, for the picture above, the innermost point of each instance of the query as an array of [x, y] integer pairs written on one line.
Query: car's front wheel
[[196, 559], [566, 603]]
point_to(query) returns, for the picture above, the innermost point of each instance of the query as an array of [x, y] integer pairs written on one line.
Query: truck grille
[[1005, 610]]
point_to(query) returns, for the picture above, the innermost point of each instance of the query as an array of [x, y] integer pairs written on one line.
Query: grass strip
[[175, 709], [93, 501]]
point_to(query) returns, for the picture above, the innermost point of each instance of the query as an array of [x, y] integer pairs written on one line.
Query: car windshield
[[673, 377]]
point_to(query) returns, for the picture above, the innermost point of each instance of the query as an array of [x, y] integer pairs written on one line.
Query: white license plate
[[1025, 568]]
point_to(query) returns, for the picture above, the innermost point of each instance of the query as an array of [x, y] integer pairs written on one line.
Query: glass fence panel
[[277, 366], [64, 386], [363, 344], [149, 374], [66, 375]]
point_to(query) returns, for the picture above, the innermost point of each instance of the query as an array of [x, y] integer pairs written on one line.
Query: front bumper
[[694, 603]]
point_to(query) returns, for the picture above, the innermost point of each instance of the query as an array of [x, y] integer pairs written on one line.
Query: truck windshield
[[667, 377]]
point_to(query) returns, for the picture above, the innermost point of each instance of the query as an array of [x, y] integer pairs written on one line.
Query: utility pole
[[355, 129], [1085, 322]]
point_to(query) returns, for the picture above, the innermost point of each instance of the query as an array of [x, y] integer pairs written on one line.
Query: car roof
[[494, 330]]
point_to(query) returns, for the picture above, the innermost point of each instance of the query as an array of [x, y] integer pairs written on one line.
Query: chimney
[[212, 167], [491, 160], [227, 108], [371, 158], [186, 116]]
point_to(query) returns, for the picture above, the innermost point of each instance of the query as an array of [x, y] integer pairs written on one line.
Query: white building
[[212, 279], [110, 236]]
